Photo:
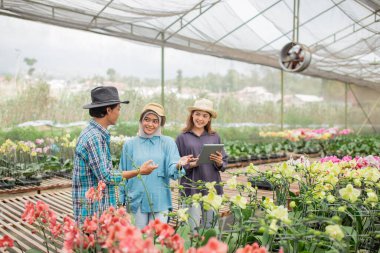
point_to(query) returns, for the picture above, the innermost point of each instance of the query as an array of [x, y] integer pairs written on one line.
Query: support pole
[[345, 105], [364, 112], [296, 20], [282, 100], [163, 73]]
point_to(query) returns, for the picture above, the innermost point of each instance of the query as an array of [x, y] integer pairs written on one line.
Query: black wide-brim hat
[[103, 96]]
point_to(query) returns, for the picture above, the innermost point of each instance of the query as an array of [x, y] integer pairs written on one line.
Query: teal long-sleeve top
[[164, 153]]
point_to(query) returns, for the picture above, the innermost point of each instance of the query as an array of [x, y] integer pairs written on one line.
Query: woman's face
[[150, 123], [201, 119]]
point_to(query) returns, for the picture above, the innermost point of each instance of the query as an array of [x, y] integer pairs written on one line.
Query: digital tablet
[[207, 150]]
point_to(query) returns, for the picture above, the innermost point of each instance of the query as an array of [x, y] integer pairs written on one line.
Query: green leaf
[[208, 234], [33, 251], [184, 232], [351, 232]]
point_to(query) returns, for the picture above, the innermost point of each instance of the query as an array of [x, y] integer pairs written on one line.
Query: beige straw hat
[[203, 105], [157, 108]]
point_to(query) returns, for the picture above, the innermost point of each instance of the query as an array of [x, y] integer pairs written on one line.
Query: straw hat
[[203, 105], [157, 108]]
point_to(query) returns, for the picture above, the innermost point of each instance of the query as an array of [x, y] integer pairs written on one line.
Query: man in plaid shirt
[[92, 159]]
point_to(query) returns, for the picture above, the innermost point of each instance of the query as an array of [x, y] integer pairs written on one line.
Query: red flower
[[6, 242]]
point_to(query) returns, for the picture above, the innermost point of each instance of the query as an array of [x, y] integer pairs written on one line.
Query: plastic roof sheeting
[[343, 35]]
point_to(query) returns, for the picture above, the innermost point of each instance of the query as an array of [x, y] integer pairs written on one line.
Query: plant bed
[[262, 184], [28, 182], [64, 174], [4, 185]]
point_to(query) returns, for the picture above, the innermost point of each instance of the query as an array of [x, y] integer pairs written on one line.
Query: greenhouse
[[250, 126]]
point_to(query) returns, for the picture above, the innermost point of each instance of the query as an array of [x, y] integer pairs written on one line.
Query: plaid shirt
[[92, 163]]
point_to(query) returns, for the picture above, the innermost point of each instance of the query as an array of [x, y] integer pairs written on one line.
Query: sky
[[66, 53]]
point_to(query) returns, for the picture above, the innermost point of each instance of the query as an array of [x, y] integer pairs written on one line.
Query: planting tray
[[261, 184]]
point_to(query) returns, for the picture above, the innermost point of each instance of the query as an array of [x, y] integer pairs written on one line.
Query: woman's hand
[[185, 160], [147, 167], [217, 158]]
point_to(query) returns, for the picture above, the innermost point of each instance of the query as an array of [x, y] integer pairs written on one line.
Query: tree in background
[[30, 62], [179, 80], [111, 73]]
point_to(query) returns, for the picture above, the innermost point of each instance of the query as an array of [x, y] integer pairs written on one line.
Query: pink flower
[[28, 214], [41, 208], [46, 150], [101, 185], [39, 141], [254, 248], [345, 132], [56, 230], [6, 242], [90, 194], [90, 225], [212, 246]]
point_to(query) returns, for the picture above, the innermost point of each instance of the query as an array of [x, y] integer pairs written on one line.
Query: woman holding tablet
[[198, 132]]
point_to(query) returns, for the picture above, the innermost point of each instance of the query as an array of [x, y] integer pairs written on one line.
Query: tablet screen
[[207, 150]]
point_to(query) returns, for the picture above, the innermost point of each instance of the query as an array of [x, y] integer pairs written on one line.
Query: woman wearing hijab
[[148, 197], [197, 132]]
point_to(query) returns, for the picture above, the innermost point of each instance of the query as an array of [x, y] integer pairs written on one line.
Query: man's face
[[113, 114]]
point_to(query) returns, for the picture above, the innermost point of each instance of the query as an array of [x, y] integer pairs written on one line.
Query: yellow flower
[[268, 203], [285, 170], [342, 209], [292, 204], [212, 200], [239, 201], [211, 186], [249, 188], [182, 214], [232, 183], [251, 169], [279, 213], [349, 193], [371, 174], [330, 198], [331, 179], [335, 232], [372, 198], [273, 227], [357, 182]]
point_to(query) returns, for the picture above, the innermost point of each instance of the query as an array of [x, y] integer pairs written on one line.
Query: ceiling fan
[[294, 56]]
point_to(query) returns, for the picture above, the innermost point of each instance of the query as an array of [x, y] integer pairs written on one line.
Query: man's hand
[[147, 167], [217, 158]]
